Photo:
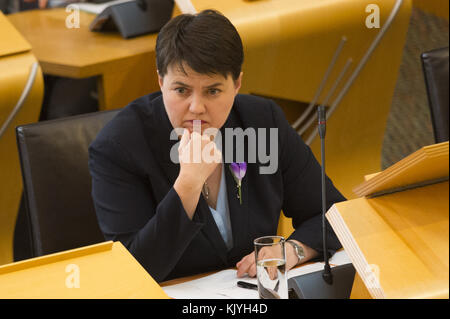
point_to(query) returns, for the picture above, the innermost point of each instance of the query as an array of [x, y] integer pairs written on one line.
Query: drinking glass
[[271, 273]]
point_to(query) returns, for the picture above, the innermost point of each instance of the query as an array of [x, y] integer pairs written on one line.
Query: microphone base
[[312, 285]]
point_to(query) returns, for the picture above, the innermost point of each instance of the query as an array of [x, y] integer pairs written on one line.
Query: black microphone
[[322, 118], [322, 127], [329, 283]]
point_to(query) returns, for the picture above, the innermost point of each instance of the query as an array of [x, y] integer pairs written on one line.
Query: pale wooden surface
[[16, 60], [11, 40], [126, 68], [106, 270], [405, 234], [76, 52], [426, 164]]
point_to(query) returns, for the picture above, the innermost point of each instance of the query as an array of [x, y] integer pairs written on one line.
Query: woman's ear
[[238, 83], [160, 80]]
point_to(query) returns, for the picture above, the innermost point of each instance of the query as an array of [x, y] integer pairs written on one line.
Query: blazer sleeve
[[155, 234], [302, 200]]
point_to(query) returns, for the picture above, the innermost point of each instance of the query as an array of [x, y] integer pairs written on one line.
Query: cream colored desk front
[[105, 270]]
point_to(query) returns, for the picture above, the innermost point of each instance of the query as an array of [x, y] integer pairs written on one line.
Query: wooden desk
[[16, 61], [102, 271], [125, 68]]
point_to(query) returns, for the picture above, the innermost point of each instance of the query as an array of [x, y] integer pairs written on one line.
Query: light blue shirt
[[222, 213]]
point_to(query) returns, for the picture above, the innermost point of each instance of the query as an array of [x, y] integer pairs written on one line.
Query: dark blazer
[[132, 189]]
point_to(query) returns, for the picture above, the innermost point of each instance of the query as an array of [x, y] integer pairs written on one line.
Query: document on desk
[[96, 8], [223, 284]]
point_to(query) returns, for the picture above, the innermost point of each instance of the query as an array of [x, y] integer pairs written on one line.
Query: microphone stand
[[323, 284], [327, 275]]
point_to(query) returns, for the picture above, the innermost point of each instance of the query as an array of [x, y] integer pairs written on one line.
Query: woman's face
[[192, 96]]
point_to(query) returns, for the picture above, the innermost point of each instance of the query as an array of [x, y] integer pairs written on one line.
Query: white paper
[[97, 7], [223, 284]]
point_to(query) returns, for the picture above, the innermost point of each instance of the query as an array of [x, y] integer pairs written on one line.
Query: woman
[[190, 217]]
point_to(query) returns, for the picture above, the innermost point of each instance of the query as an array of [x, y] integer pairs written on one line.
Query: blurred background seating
[[435, 66], [409, 125], [57, 182]]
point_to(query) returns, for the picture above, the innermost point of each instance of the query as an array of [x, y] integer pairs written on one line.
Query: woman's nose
[[197, 105]]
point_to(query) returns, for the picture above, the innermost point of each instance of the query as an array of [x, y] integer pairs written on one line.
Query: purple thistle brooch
[[238, 171]]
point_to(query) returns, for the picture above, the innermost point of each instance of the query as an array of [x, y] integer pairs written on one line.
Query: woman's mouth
[[195, 124]]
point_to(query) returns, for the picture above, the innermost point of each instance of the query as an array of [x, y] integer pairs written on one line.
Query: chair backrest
[[435, 68], [57, 183]]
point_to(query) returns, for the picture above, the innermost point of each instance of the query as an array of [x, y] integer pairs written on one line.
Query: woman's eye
[[214, 91], [180, 90]]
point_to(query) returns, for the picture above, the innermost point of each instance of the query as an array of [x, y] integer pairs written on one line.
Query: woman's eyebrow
[[214, 85], [188, 86], [180, 83]]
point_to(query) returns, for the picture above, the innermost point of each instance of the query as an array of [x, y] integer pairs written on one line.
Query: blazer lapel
[[239, 213]]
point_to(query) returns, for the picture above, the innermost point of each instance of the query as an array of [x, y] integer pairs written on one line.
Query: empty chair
[[435, 68], [57, 183]]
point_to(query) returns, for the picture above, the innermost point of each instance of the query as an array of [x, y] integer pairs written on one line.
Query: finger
[[184, 139], [272, 273], [244, 265], [196, 136], [210, 153], [249, 256], [195, 147], [217, 155], [242, 269], [252, 270], [239, 263], [262, 254], [211, 133], [197, 126]]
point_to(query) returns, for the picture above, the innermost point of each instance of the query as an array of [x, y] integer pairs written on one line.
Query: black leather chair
[[57, 183], [435, 68]]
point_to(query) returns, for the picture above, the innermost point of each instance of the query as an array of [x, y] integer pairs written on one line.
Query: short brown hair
[[207, 42]]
